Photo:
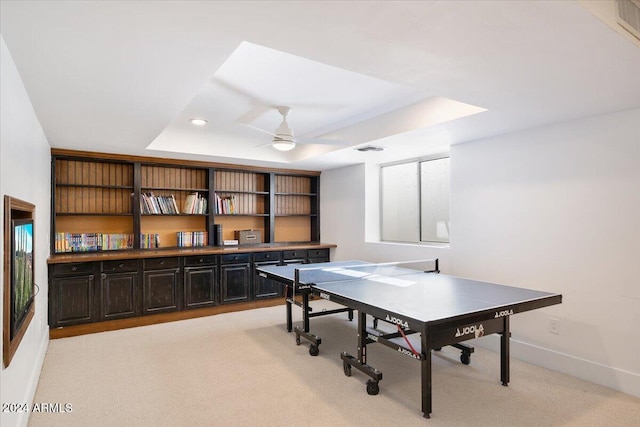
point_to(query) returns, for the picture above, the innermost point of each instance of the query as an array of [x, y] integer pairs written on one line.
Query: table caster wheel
[[297, 339], [465, 358], [346, 368], [314, 350], [372, 387]]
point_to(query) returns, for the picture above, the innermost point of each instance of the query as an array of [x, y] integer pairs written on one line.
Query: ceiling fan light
[[284, 145]]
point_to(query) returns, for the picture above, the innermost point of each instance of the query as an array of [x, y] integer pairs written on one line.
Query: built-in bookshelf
[[181, 193], [163, 203], [93, 188], [296, 207], [242, 202], [92, 205]]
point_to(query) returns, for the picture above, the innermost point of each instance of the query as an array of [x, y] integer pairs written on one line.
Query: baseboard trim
[[608, 376], [34, 378]]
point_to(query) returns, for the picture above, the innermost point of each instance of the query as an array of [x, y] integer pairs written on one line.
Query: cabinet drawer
[[299, 254], [319, 253], [191, 261], [267, 256], [160, 263], [74, 268], [235, 258], [121, 265]]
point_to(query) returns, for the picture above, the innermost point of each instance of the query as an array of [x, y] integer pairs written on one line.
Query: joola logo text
[[503, 313], [372, 337], [325, 296], [477, 330], [397, 321], [407, 352]]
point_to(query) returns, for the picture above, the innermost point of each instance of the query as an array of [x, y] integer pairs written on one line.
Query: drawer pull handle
[[121, 265], [162, 262], [74, 268], [201, 260]]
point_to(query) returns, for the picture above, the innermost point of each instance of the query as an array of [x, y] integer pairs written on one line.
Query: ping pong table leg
[[360, 362], [425, 366], [288, 298], [504, 351], [305, 310]]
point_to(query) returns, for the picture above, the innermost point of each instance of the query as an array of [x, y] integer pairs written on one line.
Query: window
[[415, 201]]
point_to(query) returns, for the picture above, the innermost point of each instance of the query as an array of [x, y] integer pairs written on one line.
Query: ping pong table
[[442, 310]]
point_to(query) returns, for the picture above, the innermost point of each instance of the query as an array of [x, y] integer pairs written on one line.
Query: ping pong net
[[388, 272]]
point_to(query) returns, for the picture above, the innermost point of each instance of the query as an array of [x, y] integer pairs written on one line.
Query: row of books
[[149, 241], [187, 239], [226, 205], [195, 203], [158, 205], [86, 242]]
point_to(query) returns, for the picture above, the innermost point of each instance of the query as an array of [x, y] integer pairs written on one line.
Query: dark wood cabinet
[[72, 293], [101, 288], [263, 287], [160, 291], [73, 300], [161, 285], [317, 255], [235, 277], [119, 295], [200, 281], [119, 289], [298, 256], [200, 286]]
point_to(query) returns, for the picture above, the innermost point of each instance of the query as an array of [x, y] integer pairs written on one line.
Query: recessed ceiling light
[[199, 122]]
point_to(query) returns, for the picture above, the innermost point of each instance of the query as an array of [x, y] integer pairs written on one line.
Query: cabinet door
[[74, 300], [235, 282], [263, 287], [119, 295], [318, 255], [200, 286], [161, 291]]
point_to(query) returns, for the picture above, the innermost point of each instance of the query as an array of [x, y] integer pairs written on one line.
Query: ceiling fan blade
[[261, 130], [268, 144], [254, 114]]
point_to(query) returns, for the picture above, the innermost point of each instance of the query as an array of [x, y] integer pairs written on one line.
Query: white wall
[[25, 174], [554, 208]]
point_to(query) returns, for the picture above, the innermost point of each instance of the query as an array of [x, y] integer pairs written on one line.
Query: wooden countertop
[[159, 253]]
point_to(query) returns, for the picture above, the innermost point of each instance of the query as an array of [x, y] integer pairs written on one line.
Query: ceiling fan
[[283, 137]]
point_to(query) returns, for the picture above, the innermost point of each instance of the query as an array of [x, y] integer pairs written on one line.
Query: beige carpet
[[243, 369]]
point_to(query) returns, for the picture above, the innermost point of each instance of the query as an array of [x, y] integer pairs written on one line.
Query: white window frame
[[419, 201]]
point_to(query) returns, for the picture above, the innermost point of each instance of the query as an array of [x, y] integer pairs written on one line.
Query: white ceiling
[[126, 76]]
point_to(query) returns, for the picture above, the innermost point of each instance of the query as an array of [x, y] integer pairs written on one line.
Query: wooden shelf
[[93, 214], [94, 194]]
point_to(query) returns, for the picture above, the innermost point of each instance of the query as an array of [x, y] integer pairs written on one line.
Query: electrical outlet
[[554, 326]]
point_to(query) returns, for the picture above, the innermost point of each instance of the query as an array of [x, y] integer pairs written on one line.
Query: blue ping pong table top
[[421, 296]]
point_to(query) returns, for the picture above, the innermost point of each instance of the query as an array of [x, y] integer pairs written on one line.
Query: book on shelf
[[151, 204], [195, 203], [192, 238], [91, 242], [226, 205], [149, 241]]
